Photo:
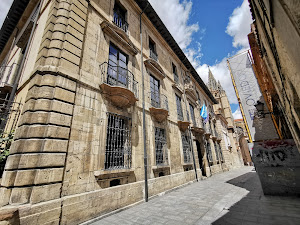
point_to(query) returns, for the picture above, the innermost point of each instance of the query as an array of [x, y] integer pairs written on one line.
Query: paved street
[[234, 197]]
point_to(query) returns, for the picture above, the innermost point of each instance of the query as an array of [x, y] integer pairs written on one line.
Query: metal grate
[[217, 151], [208, 152], [118, 142], [161, 146], [193, 115], [187, 153]]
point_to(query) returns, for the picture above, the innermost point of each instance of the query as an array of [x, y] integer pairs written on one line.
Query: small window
[[118, 142], [120, 16], [179, 108], [176, 78], [187, 153], [152, 48], [161, 146]]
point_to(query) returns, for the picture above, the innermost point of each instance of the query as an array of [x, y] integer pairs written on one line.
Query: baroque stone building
[[230, 142], [78, 149]]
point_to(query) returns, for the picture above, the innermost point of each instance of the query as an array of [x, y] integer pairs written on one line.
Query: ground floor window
[[161, 146], [217, 151], [187, 153], [208, 152], [220, 151], [118, 142]]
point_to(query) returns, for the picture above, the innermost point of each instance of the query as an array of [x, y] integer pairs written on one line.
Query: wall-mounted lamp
[[260, 107]]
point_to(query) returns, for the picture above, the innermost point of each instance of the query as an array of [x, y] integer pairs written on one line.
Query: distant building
[[243, 141], [230, 142]]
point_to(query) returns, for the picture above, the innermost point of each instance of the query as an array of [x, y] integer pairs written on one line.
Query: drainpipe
[[19, 71], [144, 117]]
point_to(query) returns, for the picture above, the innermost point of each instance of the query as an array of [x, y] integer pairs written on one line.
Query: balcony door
[[117, 73], [155, 96]]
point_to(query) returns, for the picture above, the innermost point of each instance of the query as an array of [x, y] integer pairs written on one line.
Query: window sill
[[108, 174]]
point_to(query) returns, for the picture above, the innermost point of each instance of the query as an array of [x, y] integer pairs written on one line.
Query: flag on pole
[[203, 112]]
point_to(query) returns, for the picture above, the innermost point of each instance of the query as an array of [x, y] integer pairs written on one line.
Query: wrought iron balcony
[[160, 106], [153, 55], [120, 21], [119, 85]]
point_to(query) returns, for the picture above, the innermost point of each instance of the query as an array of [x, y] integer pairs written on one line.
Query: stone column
[[34, 170]]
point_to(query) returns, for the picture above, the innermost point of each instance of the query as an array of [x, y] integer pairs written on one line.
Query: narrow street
[[233, 197]]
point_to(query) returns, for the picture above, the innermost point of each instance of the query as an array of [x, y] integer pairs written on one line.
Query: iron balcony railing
[[6, 73], [153, 55], [159, 100], [118, 76], [120, 21]]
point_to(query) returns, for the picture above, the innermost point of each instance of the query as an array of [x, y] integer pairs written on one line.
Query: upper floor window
[[176, 78], [152, 48], [179, 108], [120, 16], [217, 151], [193, 114], [117, 73], [118, 142], [155, 93]]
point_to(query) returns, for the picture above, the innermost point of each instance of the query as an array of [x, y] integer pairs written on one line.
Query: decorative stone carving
[[119, 96], [159, 114], [183, 125], [155, 68]]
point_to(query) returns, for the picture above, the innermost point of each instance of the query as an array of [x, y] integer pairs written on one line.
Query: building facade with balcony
[[225, 124], [78, 150]]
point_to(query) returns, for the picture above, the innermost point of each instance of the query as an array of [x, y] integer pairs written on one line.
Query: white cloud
[[4, 6], [237, 114], [175, 16], [239, 25]]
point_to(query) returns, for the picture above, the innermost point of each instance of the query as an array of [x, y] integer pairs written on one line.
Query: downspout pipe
[[144, 117], [19, 71]]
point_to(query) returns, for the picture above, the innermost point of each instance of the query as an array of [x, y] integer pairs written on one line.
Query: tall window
[[187, 153], [152, 48], [221, 152], [176, 78], [179, 108], [155, 94], [192, 114], [161, 146], [120, 17], [117, 68], [118, 142], [217, 151], [208, 152]]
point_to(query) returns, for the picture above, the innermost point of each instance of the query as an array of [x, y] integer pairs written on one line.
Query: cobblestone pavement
[[233, 197]]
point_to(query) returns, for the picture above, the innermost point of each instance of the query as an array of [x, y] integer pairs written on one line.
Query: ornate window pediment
[[119, 35], [155, 68]]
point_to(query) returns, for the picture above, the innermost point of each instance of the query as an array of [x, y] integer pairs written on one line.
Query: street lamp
[[260, 107]]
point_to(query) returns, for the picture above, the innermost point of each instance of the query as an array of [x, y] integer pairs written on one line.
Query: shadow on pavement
[[256, 208]]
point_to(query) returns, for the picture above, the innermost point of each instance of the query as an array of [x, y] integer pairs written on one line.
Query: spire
[[212, 83], [220, 86]]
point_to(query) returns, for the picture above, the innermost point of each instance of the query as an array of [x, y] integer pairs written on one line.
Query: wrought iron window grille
[[208, 152], [217, 152], [161, 147], [187, 153], [119, 20], [118, 142]]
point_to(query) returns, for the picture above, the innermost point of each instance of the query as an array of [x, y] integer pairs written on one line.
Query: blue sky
[[208, 31]]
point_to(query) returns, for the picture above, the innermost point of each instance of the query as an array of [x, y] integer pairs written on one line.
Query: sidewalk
[[233, 197]]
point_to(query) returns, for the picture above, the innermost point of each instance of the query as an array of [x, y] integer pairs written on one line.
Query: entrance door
[[200, 157]]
